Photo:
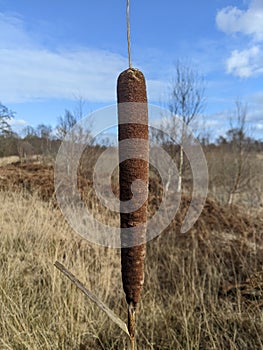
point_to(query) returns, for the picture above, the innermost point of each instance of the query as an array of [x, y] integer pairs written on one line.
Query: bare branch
[[187, 93]]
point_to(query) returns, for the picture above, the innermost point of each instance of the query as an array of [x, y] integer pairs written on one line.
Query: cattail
[[133, 126]]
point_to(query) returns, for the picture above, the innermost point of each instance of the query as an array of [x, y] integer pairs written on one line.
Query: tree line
[[231, 157]]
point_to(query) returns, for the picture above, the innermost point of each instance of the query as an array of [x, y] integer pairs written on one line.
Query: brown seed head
[[133, 124]]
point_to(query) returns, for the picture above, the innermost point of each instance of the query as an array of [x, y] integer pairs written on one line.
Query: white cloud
[[245, 63], [17, 122], [30, 71], [233, 20], [248, 62], [37, 73], [13, 32]]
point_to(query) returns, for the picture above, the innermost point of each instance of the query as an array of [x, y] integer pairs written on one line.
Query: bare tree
[[70, 124], [240, 143], [76, 134], [29, 132], [44, 132], [65, 124], [5, 116], [233, 161], [186, 102]]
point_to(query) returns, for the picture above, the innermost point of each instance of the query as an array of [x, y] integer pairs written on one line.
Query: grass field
[[203, 289]]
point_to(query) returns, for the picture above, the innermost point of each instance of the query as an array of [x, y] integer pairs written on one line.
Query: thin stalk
[[131, 325], [128, 32]]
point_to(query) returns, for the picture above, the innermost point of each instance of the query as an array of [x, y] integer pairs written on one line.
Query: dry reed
[[133, 125]]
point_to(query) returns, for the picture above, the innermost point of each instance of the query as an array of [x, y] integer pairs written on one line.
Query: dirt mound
[[33, 177], [227, 240], [215, 217]]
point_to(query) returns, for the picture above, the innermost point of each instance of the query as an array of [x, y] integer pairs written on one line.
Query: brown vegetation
[[203, 289]]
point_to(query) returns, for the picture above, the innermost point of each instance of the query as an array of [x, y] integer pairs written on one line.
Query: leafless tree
[[70, 124], [76, 135], [5, 115], [44, 132], [29, 132], [237, 137], [233, 169], [187, 100]]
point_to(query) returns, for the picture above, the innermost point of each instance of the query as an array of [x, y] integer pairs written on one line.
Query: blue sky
[[53, 52]]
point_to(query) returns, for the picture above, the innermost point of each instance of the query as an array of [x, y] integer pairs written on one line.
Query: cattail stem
[[131, 325]]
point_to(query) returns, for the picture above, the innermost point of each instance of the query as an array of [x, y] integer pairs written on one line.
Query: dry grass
[[8, 160], [194, 294], [40, 309]]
